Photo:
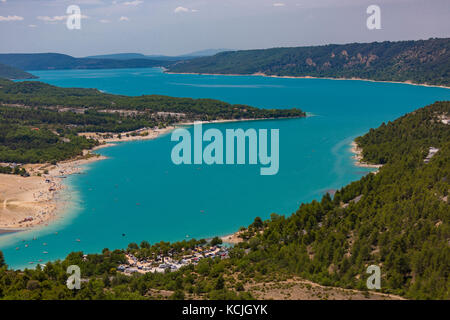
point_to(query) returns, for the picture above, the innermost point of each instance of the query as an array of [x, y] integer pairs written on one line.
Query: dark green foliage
[[257, 224], [34, 94], [2, 260], [16, 170], [215, 241], [52, 61], [100, 279], [423, 61], [412, 133], [33, 145], [9, 72]]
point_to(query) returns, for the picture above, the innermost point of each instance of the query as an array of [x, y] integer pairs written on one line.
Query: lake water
[[138, 192]]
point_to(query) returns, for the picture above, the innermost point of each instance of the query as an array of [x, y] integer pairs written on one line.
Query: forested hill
[[414, 132], [52, 61], [398, 219], [39, 94], [9, 72], [40, 123], [423, 61]]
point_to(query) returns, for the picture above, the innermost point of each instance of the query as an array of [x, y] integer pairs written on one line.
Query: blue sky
[[181, 26]]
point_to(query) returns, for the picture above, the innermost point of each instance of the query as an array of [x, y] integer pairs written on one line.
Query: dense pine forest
[[423, 61], [40, 123], [9, 72], [38, 94], [397, 219]]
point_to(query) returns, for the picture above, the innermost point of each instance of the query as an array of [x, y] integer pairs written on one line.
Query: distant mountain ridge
[[132, 55], [128, 56], [55, 61], [205, 53], [422, 61], [12, 73], [12, 62]]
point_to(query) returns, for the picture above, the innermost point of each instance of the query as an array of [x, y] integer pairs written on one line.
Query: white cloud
[[183, 9], [133, 3], [52, 19], [180, 9], [56, 18], [11, 18], [3, 1], [279, 4], [122, 18]]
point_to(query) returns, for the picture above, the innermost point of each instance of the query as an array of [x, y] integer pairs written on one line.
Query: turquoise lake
[[138, 192]]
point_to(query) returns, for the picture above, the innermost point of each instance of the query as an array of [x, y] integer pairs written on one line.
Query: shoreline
[[232, 238], [31, 202], [357, 157], [261, 74]]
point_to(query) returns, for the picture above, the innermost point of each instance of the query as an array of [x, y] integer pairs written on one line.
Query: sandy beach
[[141, 134], [233, 238], [27, 202]]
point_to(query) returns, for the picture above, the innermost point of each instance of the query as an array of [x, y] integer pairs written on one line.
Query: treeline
[[423, 61], [413, 133], [209, 279], [41, 94], [21, 144], [73, 122], [57, 61], [16, 170]]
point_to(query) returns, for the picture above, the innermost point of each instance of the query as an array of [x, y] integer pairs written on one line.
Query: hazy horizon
[[179, 27]]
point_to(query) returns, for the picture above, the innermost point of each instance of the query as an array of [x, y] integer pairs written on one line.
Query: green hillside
[[423, 61], [40, 122], [52, 61], [34, 94], [8, 72]]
